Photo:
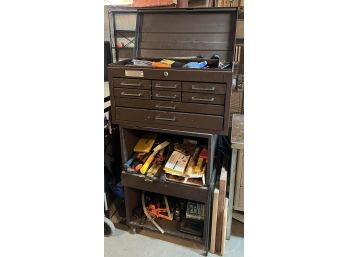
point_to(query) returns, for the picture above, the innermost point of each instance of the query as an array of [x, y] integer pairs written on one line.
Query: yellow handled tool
[[152, 156]]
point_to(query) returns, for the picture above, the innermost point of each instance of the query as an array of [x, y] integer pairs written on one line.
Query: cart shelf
[[169, 188], [170, 228]]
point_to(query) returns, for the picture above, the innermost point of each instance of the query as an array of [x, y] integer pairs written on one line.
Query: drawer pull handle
[[165, 107], [203, 88], [169, 87], [129, 94], [166, 96], [166, 119], [129, 84], [203, 99]]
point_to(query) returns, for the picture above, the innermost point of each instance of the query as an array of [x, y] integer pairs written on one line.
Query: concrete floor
[[149, 244]]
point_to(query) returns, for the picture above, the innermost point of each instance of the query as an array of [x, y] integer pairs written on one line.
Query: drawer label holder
[[134, 73]]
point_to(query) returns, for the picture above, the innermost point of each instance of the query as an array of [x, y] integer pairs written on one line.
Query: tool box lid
[[176, 32]]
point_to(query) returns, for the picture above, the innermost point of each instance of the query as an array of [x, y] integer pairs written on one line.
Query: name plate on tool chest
[[134, 73]]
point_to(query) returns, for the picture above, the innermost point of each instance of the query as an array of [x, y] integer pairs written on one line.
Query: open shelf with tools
[[175, 226], [129, 136], [134, 182], [170, 228]]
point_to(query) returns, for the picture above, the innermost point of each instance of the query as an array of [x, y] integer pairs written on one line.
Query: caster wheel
[[109, 227], [133, 230], [107, 230]]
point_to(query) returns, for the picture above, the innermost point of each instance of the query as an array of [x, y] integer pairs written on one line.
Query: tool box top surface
[[175, 32]]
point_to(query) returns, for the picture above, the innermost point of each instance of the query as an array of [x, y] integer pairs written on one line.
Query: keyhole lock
[[165, 74]]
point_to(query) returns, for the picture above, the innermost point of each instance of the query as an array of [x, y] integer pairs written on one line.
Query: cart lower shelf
[[170, 228]]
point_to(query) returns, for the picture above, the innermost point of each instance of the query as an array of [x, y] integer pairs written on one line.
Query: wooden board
[[237, 129], [237, 146], [224, 225], [214, 219], [236, 103], [231, 192], [238, 216], [221, 209], [238, 193]]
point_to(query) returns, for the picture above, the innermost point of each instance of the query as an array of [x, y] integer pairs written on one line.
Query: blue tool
[[195, 65]]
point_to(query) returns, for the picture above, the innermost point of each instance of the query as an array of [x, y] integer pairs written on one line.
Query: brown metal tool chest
[[178, 98], [175, 101]]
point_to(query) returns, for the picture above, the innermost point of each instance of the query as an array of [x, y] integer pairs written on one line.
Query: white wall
[[106, 24]]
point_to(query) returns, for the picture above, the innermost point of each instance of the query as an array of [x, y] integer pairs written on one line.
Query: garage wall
[[106, 24]]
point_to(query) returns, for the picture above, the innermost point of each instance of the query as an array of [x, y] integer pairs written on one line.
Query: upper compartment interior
[[186, 33]]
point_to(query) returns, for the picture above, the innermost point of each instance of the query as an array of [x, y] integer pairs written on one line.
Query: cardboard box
[[152, 3], [236, 104]]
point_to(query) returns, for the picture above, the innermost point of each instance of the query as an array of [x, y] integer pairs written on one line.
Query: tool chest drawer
[[169, 118], [172, 188], [132, 93], [203, 98], [204, 88], [132, 83], [172, 106], [166, 95], [166, 85]]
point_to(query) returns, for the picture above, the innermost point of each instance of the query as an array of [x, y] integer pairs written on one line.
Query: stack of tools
[[184, 162], [194, 219], [195, 65], [163, 64], [166, 63], [157, 212], [169, 63], [157, 209], [156, 158], [141, 62], [154, 208], [179, 159], [190, 62], [149, 156], [141, 153], [195, 210], [188, 161]]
